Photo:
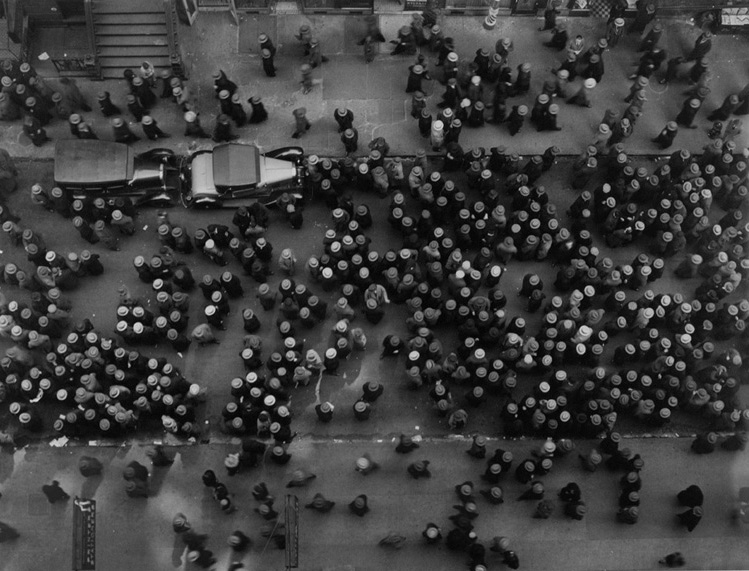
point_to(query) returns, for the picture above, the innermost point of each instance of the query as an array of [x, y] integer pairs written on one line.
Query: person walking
[[406, 43], [107, 107], [360, 505], [549, 119], [320, 504], [652, 38], [420, 469], [306, 81], [666, 137], [159, 457], [688, 113], [559, 37], [344, 117], [54, 492], [33, 129], [221, 82], [316, 58], [702, 46], [516, 119], [675, 559], [122, 132], [89, 466], [690, 518], [266, 44], [305, 37], [415, 76], [582, 97], [614, 31], [151, 129], [258, 112], [269, 65], [724, 112], [691, 496], [193, 127], [135, 108], [368, 46], [222, 132], [72, 95], [350, 140], [551, 12], [301, 123], [645, 15]]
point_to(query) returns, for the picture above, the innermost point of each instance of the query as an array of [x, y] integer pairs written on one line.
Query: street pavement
[[137, 534], [213, 366], [376, 92]]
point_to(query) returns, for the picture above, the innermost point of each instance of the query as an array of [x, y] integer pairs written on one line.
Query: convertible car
[[234, 175], [92, 169], [230, 175]]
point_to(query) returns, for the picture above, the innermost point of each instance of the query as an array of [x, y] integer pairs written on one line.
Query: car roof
[[236, 165], [89, 161]]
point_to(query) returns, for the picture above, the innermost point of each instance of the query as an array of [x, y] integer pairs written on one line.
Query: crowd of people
[[101, 387], [478, 91], [25, 96], [669, 362], [608, 345]]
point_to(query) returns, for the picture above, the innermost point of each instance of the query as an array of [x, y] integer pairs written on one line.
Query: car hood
[[201, 168], [276, 170]]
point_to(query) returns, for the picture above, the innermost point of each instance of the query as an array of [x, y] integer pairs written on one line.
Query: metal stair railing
[[172, 25], [91, 59]]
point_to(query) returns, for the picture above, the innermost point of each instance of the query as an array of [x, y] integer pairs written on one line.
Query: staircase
[[128, 32]]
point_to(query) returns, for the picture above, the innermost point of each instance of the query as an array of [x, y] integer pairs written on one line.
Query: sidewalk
[[376, 92], [137, 534]]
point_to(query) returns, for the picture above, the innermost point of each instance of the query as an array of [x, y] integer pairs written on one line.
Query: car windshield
[[92, 162], [236, 166]]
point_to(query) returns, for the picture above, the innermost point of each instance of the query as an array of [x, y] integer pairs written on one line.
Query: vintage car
[[92, 169], [234, 175]]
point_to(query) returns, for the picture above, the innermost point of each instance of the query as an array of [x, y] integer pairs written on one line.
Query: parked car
[[233, 175], [92, 168]]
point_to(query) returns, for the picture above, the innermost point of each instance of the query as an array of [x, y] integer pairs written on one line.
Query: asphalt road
[[137, 533], [400, 410]]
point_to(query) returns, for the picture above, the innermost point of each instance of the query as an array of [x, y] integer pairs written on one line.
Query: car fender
[[294, 154]]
